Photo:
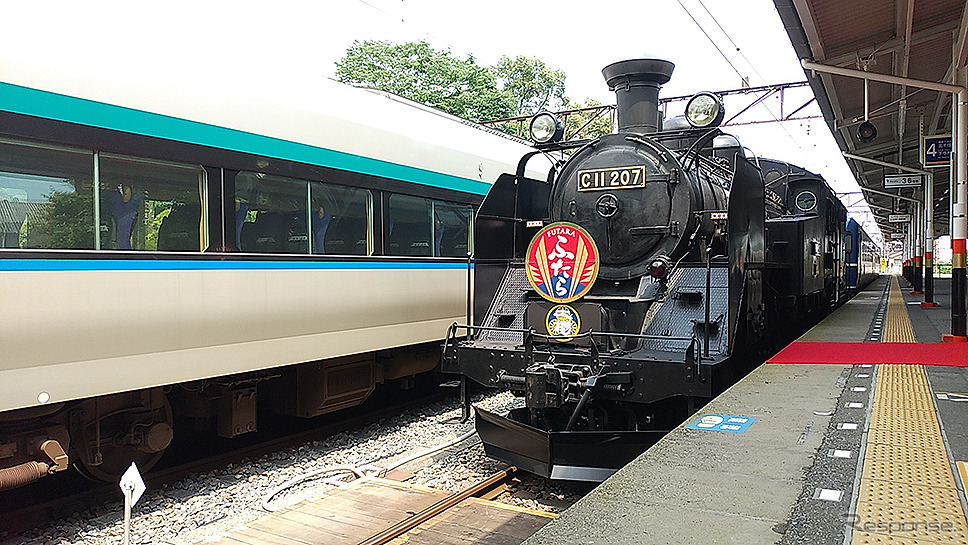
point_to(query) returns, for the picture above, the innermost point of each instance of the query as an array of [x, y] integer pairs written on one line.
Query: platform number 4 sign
[[936, 150]]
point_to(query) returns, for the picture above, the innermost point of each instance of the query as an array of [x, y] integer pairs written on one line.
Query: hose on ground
[[359, 471]]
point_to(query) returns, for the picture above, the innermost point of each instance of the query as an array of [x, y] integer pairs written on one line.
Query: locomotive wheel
[[116, 459]]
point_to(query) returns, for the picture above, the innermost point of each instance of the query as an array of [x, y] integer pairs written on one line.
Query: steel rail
[[442, 505]]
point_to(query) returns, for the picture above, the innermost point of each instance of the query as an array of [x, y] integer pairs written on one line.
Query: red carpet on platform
[[954, 354]]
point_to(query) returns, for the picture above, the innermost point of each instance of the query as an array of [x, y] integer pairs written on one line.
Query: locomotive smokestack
[[636, 84]]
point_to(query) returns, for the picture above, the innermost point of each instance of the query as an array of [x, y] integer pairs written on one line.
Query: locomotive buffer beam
[[550, 376], [638, 377]]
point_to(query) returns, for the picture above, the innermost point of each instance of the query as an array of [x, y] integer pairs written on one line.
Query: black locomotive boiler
[[640, 280]]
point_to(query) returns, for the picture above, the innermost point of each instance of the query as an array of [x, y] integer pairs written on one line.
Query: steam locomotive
[[653, 268]]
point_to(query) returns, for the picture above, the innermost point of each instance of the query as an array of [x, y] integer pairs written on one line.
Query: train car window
[[272, 214], [46, 197], [409, 226], [150, 205], [340, 220], [452, 229]]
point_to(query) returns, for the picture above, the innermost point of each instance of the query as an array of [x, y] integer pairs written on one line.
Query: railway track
[[374, 511], [479, 490], [37, 506]]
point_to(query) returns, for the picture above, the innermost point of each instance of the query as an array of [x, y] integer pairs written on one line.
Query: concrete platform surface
[[702, 486]]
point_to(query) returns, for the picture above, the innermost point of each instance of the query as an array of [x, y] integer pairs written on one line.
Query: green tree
[[519, 86], [157, 212], [533, 85], [416, 71], [67, 221], [589, 124]]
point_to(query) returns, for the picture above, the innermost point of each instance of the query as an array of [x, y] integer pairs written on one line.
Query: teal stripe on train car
[[60, 265], [33, 102]]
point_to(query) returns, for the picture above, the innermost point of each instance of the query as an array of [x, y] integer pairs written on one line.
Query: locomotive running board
[[564, 455]]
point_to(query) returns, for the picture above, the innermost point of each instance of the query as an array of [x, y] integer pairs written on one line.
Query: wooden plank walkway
[[352, 514]]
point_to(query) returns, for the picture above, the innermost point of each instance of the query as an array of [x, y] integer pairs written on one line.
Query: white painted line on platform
[[847, 426], [952, 396], [827, 494], [855, 405], [858, 389], [839, 453]]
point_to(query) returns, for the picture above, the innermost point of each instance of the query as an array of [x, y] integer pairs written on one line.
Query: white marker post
[[132, 486]]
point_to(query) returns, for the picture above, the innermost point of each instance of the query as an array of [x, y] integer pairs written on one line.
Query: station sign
[[902, 180], [897, 236], [899, 218], [722, 422], [936, 150]]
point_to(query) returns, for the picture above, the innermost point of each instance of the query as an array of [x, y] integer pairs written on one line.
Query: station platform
[[857, 433]]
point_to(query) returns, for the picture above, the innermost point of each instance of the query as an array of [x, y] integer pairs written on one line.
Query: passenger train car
[[651, 270], [863, 257], [202, 248], [808, 279]]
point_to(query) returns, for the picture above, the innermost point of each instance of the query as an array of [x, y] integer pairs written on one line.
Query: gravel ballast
[[205, 505]]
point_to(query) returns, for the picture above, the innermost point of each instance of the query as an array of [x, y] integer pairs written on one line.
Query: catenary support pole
[[917, 282], [959, 229], [929, 242]]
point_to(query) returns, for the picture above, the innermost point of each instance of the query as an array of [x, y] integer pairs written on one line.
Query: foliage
[[596, 126], [532, 84], [157, 212], [416, 71], [518, 86], [66, 222]]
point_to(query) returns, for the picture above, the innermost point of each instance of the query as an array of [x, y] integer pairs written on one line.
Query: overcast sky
[[294, 39]]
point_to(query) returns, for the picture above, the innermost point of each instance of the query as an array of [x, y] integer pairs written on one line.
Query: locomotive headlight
[[705, 110], [545, 128]]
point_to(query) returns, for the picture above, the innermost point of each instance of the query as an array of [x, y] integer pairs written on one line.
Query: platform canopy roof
[[919, 39]]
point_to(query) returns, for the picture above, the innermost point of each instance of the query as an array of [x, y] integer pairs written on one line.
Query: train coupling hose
[[20, 475], [28, 472]]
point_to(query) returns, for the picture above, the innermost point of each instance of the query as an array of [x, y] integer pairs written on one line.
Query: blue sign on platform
[[722, 422], [937, 151]]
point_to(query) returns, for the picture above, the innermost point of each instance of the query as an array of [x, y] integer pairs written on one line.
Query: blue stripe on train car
[[58, 265], [33, 102]]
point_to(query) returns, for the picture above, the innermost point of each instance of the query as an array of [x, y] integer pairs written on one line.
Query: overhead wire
[[725, 33], [713, 42], [738, 50], [733, 66]]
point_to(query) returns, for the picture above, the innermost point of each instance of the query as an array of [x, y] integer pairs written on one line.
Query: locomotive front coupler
[[550, 385], [602, 382]]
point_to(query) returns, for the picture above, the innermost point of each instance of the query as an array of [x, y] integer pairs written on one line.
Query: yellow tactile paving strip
[[897, 327], [908, 493]]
